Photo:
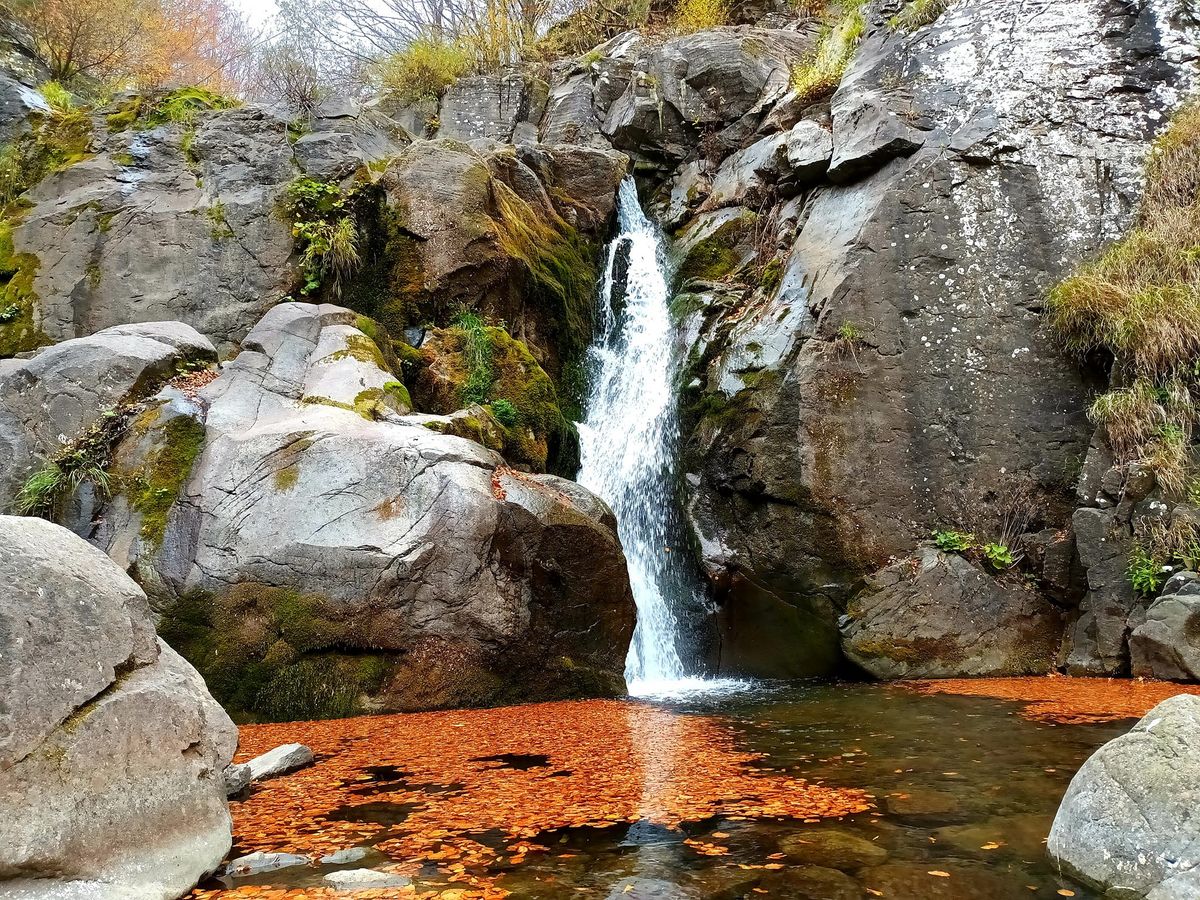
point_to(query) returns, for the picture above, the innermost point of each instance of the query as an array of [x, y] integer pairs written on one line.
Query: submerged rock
[[111, 748], [260, 862], [833, 848], [1127, 824]]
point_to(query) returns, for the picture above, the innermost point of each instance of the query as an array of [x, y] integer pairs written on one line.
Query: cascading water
[[629, 441]]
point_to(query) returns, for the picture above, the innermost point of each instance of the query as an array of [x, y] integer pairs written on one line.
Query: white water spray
[[628, 450]]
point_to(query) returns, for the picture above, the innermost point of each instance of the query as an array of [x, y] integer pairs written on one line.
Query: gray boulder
[[383, 565], [939, 616], [1128, 825], [503, 107], [52, 398], [1167, 644], [111, 747]]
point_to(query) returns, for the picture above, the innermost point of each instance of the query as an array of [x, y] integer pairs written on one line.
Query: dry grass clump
[[1140, 302], [819, 75], [699, 15], [918, 14]]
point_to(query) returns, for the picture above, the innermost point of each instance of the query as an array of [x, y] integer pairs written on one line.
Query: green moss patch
[[274, 653], [19, 328], [184, 106], [155, 486]]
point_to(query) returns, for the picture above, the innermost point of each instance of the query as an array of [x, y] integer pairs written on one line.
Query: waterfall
[[629, 439]]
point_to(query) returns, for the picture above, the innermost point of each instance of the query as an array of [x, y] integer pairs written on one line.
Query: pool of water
[[964, 789]]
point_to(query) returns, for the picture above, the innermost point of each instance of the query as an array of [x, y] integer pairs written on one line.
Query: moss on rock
[[274, 653], [155, 486], [19, 328]]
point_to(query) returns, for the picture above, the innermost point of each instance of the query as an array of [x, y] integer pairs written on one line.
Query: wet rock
[[111, 747], [940, 616], [1023, 835], [283, 759], [927, 254], [260, 862], [1127, 823], [62, 391], [646, 889], [964, 882], [342, 857], [385, 566], [364, 879], [811, 883], [832, 848], [1098, 640]]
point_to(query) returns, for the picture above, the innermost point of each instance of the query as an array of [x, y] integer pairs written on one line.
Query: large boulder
[[111, 748], [316, 552], [940, 616], [884, 371], [50, 400], [1128, 824]]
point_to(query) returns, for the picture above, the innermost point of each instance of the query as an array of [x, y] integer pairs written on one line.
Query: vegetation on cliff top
[[818, 76]]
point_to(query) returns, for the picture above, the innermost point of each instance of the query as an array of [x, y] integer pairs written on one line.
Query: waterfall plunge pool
[[805, 790]]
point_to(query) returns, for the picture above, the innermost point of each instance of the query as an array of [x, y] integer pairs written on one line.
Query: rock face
[[1127, 824], [881, 371], [940, 616], [111, 747], [1167, 644], [319, 553], [53, 398]]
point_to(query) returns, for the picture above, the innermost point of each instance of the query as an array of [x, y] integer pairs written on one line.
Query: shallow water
[[965, 789]]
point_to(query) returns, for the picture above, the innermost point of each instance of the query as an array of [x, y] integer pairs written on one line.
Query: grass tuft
[[918, 14], [699, 15], [425, 69], [818, 76], [1140, 303]]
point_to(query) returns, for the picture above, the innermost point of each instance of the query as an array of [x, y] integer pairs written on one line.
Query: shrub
[[57, 97], [326, 235], [424, 69], [1140, 303], [918, 14], [818, 76], [699, 15]]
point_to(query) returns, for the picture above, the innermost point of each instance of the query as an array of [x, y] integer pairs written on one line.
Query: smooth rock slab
[[259, 862], [364, 879], [280, 761], [1129, 823]]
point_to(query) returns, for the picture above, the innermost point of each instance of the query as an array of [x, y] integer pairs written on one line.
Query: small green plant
[[324, 228], [10, 313], [477, 354], [424, 69], [506, 414], [818, 76], [1145, 572], [45, 488], [220, 225], [918, 14], [57, 97], [999, 556], [951, 541], [850, 332]]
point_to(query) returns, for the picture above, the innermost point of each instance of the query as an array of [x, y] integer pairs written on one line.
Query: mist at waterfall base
[[629, 439]]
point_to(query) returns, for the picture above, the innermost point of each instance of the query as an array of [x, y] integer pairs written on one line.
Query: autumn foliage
[[466, 791], [136, 43]]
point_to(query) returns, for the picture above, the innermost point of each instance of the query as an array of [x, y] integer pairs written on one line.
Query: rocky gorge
[[312, 383]]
